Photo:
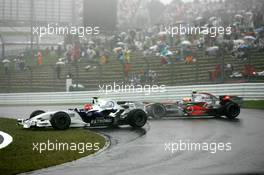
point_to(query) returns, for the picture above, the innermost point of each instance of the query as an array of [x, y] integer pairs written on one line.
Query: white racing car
[[102, 112]]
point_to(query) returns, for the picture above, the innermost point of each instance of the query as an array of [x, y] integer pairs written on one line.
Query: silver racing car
[[101, 112]]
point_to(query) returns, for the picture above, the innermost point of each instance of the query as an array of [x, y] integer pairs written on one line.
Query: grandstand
[[43, 78], [17, 19]]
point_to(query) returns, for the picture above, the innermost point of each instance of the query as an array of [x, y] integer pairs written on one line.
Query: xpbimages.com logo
[[126, 88], [64, 146], [5, 139]]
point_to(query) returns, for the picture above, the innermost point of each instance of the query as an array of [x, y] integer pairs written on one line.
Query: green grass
[[19, 156], [254, 104]]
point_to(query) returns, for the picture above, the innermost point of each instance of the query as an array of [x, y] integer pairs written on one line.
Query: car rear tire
[[157, 111], [232, 110], [137, 118], [60, 121], [35, 113]]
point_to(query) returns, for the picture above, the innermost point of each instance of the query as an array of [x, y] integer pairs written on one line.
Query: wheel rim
[[140, 119], [61, 121], [233, 110]]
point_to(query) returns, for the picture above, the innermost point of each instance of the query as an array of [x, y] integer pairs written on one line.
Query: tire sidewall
[[35, 113], [60, 121], [137, 118], [228, 110]]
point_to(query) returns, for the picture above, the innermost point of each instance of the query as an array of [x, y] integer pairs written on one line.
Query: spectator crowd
[[246, 19]]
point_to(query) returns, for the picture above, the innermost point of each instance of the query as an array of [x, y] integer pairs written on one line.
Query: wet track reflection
[[142, 151]]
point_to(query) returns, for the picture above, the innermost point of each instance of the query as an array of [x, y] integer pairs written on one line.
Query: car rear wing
[[233, 98]]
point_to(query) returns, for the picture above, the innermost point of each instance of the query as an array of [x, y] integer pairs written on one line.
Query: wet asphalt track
[[143, 151]]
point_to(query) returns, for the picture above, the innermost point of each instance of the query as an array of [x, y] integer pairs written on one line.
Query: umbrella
[[243, 46], [212, 49], [162, 33], [6, 61], [238, 16], [198, 18], [185, 42], [260, 73], [249, 38], [259, 30], [77, 85], [239, 41], [180, 22], [236, 75], [121, 44], [91, 42], [168, 53], [212, 18], [60, 43], [249, 13], [155, 47], [60, 63], [123, 34], [117, 49]]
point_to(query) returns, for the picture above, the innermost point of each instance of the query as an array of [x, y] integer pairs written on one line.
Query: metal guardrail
[[248, 91]]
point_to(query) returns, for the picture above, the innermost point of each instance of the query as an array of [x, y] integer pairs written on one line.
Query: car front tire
[[35, 113], [137, 118], [60, 121]]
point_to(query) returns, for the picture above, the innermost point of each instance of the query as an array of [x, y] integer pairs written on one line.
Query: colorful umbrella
[[185, 42], [249, 38]]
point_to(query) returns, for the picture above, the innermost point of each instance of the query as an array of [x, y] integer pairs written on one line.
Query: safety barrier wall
[[248, 91]]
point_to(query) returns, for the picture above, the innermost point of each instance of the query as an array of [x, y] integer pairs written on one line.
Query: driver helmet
[[88, 107], [186, 99]]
